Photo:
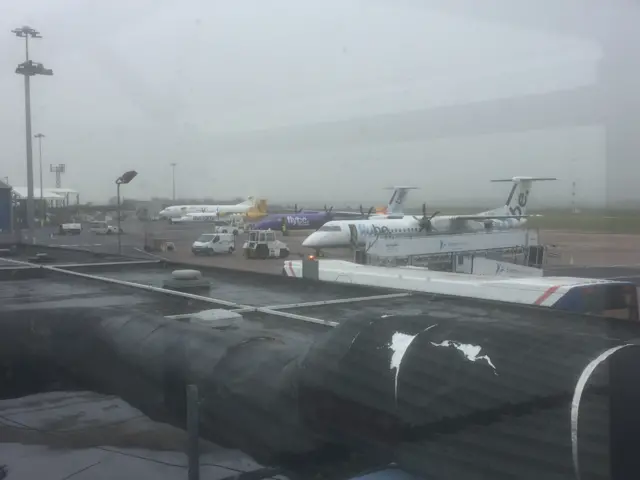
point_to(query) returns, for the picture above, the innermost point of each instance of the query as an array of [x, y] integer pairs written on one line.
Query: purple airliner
[[295, 221], [305, 220]]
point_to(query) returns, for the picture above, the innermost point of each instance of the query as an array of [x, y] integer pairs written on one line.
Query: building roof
[[497, 408], [4, 185], [62, 191], [47, 194]]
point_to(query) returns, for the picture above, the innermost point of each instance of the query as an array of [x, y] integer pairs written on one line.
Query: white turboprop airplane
[[337, 233], [179, 211]]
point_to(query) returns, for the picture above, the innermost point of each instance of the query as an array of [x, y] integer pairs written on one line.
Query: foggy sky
[[138, 85]]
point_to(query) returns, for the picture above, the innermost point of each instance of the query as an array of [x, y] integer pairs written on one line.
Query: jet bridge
[[440, 251]]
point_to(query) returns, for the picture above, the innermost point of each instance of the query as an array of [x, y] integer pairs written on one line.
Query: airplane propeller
[[368, 214], [425, 221]]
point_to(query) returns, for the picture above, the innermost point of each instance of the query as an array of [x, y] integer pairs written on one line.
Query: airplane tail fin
[[518, 198], [261, 205], [396, 202], [258, 209], [249, 201]]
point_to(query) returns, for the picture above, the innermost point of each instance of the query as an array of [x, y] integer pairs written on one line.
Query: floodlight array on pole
[[29, 69], [122, 180], [58, 169]]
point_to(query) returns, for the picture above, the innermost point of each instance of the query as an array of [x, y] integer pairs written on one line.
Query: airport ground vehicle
[[235, 227], [264, 244], [70, 229], [606, 298], [212, 243], [103, 228]]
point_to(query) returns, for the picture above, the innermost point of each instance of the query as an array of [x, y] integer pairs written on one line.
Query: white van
[[210, 243], [70, 229], [103, 228]]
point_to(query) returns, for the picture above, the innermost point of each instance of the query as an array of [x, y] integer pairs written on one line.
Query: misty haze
[[301, 101]]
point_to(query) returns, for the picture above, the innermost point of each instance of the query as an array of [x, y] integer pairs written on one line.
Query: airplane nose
[[309, 241]]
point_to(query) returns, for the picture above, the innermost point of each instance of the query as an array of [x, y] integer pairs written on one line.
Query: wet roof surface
[[243, 287], [56, 256], [60, 291], [31, 288]]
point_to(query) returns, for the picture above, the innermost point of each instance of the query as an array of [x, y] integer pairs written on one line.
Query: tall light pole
[[173, 180], [29, 69], [40, 136], [123, 180]]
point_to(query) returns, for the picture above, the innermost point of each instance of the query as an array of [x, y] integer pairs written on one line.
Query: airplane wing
[[349, 214], [486, 217]]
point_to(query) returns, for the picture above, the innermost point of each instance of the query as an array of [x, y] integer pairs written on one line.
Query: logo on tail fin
[[517, 205], [396, 202], [519, 208], [261, 206]]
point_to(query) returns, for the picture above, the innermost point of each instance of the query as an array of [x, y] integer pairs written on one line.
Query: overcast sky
[[140, 84]]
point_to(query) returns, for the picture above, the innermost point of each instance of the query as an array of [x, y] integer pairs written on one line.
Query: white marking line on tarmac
[[81, 245]]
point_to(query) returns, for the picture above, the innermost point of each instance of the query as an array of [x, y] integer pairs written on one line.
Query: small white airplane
[[338, 233], [181, 211]]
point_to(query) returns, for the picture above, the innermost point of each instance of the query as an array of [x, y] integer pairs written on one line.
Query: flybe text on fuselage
[[297, 221]]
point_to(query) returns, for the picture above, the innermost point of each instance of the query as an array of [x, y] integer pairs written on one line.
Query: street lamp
[[173, 178], [123, 180], [29, 69], [40, 136]]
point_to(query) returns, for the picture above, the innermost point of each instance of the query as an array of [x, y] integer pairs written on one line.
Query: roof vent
[[184, 280], [217, 318], [41, 258], [214, 318]]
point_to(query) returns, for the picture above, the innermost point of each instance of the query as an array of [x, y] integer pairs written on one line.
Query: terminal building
[[53, 197]]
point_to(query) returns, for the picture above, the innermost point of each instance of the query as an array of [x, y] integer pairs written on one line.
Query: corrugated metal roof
[[47, 194], [62, 191]]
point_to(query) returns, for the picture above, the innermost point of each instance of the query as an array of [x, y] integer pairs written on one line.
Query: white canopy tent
[[55, 197]]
